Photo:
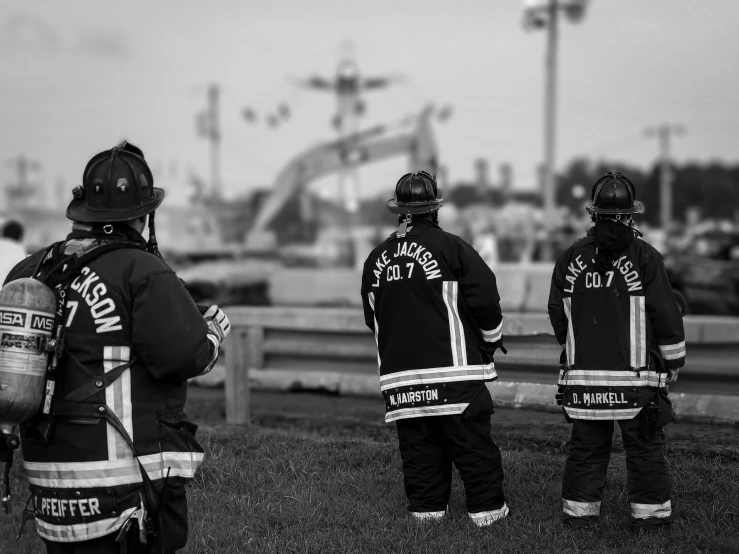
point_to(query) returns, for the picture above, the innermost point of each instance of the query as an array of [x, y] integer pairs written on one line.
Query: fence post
[[237, 378]]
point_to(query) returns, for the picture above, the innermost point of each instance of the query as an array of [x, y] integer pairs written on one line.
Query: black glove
[[487, 351], [559, 395], [563, 359]]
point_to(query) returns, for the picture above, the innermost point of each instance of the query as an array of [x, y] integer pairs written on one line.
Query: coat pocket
[[666, 415], [176, 432], [481, 405]]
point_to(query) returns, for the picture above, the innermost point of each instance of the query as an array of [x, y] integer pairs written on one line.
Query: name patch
[[413, 397], [68, 507], [596, 398]]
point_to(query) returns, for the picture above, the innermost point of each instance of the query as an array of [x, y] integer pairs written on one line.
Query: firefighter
[[614, 314], [109, 462], [11, 247], [433, 305]]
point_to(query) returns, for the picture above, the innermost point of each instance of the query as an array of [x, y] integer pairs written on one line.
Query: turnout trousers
[[430, 445], [648, 481]]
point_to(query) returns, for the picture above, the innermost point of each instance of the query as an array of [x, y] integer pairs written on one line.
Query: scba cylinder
[[27, 309]]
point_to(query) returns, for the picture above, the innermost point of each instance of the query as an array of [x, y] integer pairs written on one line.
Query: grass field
[[322, 474]]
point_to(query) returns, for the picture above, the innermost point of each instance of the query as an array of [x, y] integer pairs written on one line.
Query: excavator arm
[[365, 147]]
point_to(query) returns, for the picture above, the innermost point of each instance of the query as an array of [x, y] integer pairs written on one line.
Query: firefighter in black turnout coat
[[108, 464], [615, 315], [433, 305]]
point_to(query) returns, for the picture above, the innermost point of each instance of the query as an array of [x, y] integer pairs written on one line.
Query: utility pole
[[550, 112], [215, 141], [664, 133], [209, 128]]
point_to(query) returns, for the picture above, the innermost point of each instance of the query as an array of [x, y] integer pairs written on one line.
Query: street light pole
[[550, 115], [539, 14]]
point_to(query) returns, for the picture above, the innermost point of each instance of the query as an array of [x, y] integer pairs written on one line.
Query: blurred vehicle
[[704, 273], [236, 282]]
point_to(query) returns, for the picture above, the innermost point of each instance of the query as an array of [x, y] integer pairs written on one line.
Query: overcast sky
[[77, 76]]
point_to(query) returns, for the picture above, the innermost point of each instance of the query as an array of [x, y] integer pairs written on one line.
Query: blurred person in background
[[109, 462], [433, 305], [614, 314], [12, 250]]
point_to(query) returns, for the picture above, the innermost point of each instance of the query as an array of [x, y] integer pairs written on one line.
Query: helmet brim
[[637, 209], [414, 208], [78, 211]]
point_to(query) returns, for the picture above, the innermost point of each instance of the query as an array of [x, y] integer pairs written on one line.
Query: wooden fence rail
[[292, 348]]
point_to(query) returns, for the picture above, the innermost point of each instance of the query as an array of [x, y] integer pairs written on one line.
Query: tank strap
[[93, 387], [6, 483], [98, 410]]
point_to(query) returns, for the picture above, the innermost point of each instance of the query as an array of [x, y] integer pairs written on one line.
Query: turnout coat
[[127, 316], [433, 305], [620, 330]]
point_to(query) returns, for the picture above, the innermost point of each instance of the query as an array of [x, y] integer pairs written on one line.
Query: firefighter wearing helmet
[[110, 449], [614, 314], [433, 305]]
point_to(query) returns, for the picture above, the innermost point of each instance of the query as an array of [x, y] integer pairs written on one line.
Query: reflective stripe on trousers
[[648, 511], [481, 519], [428, 516], [581, 509]]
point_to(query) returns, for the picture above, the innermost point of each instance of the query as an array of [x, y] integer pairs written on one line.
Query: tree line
[[712, 188]]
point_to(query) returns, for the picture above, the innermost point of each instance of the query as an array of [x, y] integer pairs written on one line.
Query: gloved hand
[[672, 376], [487, 351], [218, 324], [559, 395]]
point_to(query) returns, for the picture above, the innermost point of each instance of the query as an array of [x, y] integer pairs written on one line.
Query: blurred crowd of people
[[520, 233]]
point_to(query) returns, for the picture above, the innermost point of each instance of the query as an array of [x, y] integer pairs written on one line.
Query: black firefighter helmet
[[415, 193], [614, 194], [117, 185]]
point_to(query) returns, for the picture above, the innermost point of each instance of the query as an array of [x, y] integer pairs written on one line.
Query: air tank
[[27, 309]]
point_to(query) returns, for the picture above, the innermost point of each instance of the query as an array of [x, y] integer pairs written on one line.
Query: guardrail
[[291, 348]]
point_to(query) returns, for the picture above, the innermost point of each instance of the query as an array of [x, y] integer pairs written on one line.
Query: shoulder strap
[[60, 276], [68, 265]]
